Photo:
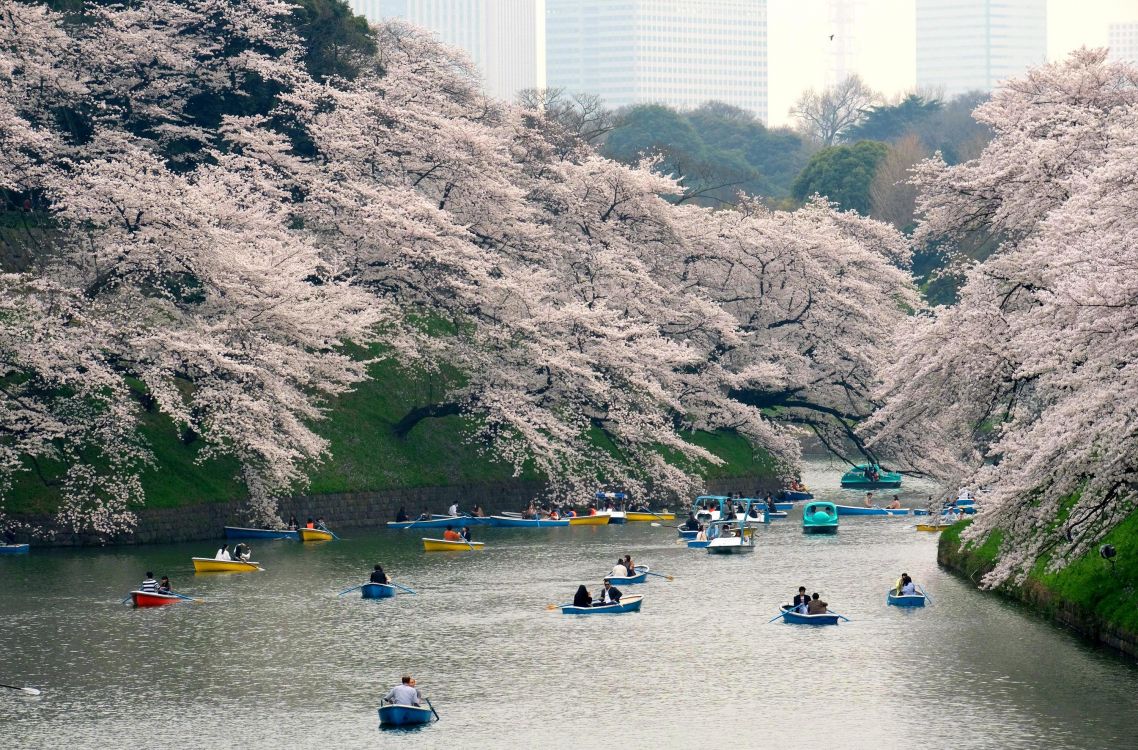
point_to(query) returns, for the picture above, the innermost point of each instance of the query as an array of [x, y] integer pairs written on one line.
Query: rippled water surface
[[277, 660]]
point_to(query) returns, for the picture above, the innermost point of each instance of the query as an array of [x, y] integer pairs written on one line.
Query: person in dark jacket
[[377, 575], [582, 598], [609, 594], [801, 600], [401, 516]]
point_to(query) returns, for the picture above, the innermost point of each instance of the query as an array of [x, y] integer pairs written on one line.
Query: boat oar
[[926, 594], [436, 713], [24, 690], [780, 614], [184, 598], [841, 616], [660, 575], [353, 588], [125, 599], [333, 533], [396, 585]]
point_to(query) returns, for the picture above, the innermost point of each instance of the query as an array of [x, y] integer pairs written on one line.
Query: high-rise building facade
[[973, 45], [504, 38], [677, 52], [1123, 41]]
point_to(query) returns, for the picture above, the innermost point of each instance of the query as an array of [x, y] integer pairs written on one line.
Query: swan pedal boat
[[795, 618], [630, 603], [820, 517], [14, 549], [640, 577], [600, 519], [397, 715], [859, 478], [314, 535], [153, 599], [376, 591], [905, 600], [636, 515], [445, 545], [240, 532], [210, 565]]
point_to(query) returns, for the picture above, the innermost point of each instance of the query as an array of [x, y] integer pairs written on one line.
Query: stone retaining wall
[[347, 510]]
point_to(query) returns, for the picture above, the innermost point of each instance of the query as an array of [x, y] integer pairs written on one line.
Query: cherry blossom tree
[[1027, 386]]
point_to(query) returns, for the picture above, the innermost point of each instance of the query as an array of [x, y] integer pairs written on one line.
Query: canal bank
[[1092, 596]]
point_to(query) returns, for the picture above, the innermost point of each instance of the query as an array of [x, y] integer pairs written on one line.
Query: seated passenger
[[582, 598], [451, 535], [816, 606]]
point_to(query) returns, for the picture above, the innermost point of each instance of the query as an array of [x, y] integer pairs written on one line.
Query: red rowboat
[[150, 599]]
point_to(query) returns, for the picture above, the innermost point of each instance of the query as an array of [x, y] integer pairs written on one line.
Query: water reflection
[[276, 659]]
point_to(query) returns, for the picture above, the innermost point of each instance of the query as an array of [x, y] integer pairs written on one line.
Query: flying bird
[[831, 37]]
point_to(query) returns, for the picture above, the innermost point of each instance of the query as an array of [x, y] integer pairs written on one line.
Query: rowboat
[[789, 615], [862, 510], [920, 511], [598, 520], [630, 603], [153, 599], [14, 549], [820, 518], [637, 515], [315, 535], [441, 522], [795, 495], [239, 532], [444, 545], [698, 544], [906, 600], [401, 716], [640, 577], [862, 477], [930, 527], [513, 522], [209, 565], [688, 534], [376, 591]]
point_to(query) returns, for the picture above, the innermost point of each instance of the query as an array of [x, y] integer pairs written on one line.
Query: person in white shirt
[[618, 570], [404, 694], [609, 594], [223, 553], [453, 509]]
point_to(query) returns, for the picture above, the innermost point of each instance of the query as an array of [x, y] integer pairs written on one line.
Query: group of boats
[[516, 520]]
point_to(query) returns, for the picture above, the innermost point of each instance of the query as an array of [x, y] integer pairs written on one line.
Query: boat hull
[[920, 511], [148, 599], [930, 527], [238, 532], [441, 522], [794, 618], [209, 565], [627, 604], [687, 534], [698, 544], [597, 520], [820, 529], [729, 547], [314, 535], [794, 495], [640, 516], [444, 545], [880, 485], [528, 523], [615, 516], [376, 591], [640, 577], [403, 716], [14, 549], [909, 600]]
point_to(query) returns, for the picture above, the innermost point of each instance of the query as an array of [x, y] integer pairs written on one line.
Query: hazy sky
[[799, 37]]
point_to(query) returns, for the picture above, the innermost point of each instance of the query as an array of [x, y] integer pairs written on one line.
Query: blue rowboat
[[862, 477], [688, 534], [820, 518], [794, 618], [640, 577], [511, 522], [860, 510], [376, 591], [920, 511], [795, 495], [629, 603], [908, 600], [441, 522], [239, 532], [698, 543], [403, 716], [959, 509], [14, 549]]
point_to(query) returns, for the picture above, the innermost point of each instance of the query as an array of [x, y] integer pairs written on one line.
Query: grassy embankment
[[366, 453], [1087, 594]]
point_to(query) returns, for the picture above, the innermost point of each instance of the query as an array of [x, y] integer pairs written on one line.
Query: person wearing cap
[[609, 594], [405, 693]]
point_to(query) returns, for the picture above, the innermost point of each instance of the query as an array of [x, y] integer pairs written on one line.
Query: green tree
[[844, 174]]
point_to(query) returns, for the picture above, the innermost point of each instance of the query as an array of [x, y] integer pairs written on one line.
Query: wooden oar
[[353, 588], [189, 599], [660, 575], [555, 607], [25, 690], [436, 713], [396, 585], [657, 524]]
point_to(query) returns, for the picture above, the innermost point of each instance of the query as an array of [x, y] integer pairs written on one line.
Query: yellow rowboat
[[209, 565], [597, 520], [664, 516], [314, 535], [442, 545], [929, 527]]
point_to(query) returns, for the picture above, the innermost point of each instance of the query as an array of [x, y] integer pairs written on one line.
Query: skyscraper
[[1123, 41], [972, 45], [677, 52], [504, 38]]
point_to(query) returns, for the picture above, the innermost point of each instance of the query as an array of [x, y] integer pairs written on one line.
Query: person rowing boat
[[405, 693]]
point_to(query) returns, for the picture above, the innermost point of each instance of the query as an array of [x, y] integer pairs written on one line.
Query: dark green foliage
[[843, 174], [890, 122], [716, 150], [947, 127], [334, 37]]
